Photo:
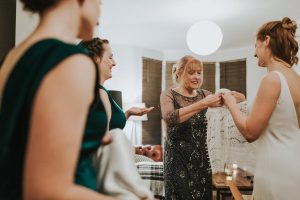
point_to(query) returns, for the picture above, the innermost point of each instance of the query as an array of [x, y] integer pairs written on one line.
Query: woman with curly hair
[[101, 52]]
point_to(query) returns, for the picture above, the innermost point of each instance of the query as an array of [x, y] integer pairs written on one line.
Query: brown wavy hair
[[282, 39], [38, 5], [95, 46]]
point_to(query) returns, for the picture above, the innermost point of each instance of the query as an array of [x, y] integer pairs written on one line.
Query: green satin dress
[[118, 118], [16, 107]]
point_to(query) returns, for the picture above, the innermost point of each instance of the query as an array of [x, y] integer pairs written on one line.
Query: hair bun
[[289, 24]]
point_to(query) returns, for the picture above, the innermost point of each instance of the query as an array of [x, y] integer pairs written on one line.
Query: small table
[[221, 184]]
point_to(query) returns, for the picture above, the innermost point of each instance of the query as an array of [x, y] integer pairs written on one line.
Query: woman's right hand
[[213, 100]]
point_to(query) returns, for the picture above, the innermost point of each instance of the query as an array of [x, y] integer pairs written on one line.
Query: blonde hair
[[186, 64]]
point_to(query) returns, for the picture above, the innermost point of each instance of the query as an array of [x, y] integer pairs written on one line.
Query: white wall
[[25, 22]]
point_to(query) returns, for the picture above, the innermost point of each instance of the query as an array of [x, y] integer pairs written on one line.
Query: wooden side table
[[221, 184]]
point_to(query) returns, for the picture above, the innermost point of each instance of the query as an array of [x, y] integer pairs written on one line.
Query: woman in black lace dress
[[187, 167]]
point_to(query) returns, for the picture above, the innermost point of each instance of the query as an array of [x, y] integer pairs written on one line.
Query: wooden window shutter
[[152, 76], [209, 77], [233, 75]]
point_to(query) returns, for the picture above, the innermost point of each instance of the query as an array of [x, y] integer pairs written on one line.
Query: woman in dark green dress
[[101, 52], [49, 123]]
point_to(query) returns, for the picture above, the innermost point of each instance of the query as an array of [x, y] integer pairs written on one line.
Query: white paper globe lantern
[[204, 37]]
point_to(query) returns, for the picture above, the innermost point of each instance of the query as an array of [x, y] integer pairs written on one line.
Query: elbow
[[250, 139], [250, 133], [251, 136]]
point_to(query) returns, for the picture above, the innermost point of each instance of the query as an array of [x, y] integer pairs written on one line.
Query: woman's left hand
[[229, 99]]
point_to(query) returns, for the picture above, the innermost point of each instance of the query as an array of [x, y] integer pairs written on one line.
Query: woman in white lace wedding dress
[[275, 116]]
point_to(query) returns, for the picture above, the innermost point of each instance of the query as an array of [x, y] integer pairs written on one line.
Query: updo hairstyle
[[95, 46], [283, 43]]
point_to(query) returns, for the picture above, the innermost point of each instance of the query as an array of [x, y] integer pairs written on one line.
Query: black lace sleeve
[[169, 113]]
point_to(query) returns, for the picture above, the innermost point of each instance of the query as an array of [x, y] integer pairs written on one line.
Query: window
[[209, 77], [152, 77], [233, 75]]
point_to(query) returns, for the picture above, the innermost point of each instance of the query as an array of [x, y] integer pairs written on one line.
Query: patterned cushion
[[153, 174]]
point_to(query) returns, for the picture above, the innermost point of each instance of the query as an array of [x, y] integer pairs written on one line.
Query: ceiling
[[162, 24]]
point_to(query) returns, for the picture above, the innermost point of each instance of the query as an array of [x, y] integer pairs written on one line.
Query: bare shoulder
[[77, 67], [75, 75], [78, 62], [270, 85], [271, 79]]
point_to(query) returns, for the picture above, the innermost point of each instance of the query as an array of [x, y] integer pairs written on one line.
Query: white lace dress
[[225, 143], [277, 174]]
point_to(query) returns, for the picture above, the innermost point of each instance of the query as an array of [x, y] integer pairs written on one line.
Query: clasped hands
[[219, 99]]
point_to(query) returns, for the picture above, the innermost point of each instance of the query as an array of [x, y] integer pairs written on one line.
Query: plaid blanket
[[153, 174]]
